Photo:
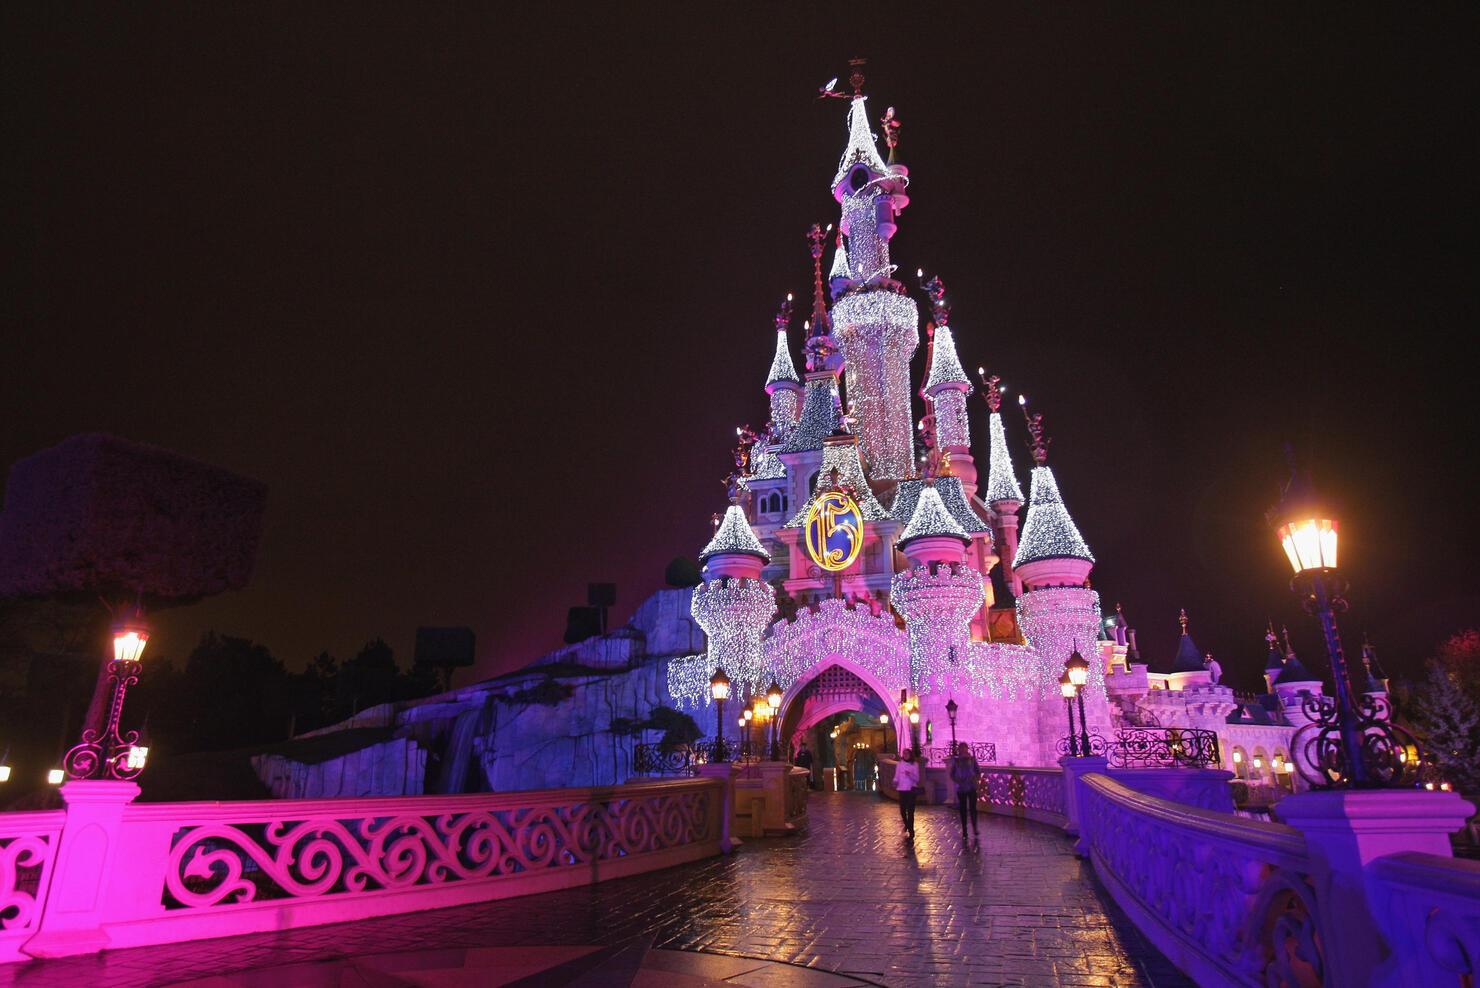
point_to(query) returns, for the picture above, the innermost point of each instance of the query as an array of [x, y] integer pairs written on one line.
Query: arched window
[[1260, 769], [1240, 763]]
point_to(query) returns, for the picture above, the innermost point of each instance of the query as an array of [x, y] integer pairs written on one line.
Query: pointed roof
[[734, 535], [841, 455], [931, 519], [952, 495], [782, 369], [1189, 658], [840, 269], [765, 464], [945, 366], [1002, 483], [819, 417], [861, 144], [1049, 532]]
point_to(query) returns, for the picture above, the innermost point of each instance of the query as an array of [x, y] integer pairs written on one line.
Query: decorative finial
[[714, 520], [849, 418], [1289, 650], [1183, 618], [992, 389], [1037, 441], [943, 462], [890, 124], [745, 438], [940, 306], [855, 78], [1270, 636], [815, 235], [783, 315]]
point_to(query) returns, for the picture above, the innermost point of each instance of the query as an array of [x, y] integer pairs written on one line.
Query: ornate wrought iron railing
[[985, 753], [1151, 747], [665, 760], [1165, 747]]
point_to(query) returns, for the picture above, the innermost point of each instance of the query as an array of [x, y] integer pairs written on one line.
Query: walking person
[[804, 760], [964, 773], [906, 781]]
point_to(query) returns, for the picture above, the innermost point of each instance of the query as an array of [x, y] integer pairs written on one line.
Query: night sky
[[481, 296]]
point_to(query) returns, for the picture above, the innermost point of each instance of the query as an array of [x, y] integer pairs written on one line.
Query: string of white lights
[[1057, 621], [1049, 532], [734, 535], [1002, 483]]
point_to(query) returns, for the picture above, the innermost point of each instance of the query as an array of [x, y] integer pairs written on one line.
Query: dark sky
[[481, 295]]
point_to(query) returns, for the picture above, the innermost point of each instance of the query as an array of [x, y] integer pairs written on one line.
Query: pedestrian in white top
[[906, 780]]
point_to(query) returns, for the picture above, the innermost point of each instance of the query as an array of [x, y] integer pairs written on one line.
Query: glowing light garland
[[837, 631], [786, 407], [868, 252], [1002, 483], [1001, 671], [878, 332], [952, 495], [945, 366], [840, 270], [937, 608], [819, 418], [951, 428], [1049, 532], [1056, 621], [765, 464], [782, 369], [734, 535], [733, 612], [862, 143], [931, 518], [843, 457]]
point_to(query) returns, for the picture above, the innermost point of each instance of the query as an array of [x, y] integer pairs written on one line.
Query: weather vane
[[1037, 441], [855, 79], [992, 389], [783, 315], [940, 306]]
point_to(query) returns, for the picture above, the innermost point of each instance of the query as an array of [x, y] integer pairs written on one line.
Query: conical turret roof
[[1049, 532], [1189, 658], [841, 455], [931, 519], [1002, 484], [945, 366], [782, 369], [952, 495], [819, 418], [734, 535], [861, 143], [839, 270]]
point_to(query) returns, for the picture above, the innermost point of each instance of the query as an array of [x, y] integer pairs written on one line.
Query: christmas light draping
[[951, 427], [819, 415], [765, 465], [733, 612], [1056, 621], [852, 634], [734, 535], [1002, 483], [937, 608], [945, 366], [862, 143], [952, 495], [1049, 532], [1003, 672], [782, 369], [843, 457], [786, 408], [931, 518]]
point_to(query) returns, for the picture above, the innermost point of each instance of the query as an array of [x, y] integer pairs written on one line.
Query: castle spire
[[1049, 534], [783, 371], [734, 537]]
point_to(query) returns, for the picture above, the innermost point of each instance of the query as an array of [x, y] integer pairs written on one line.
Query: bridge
[[1076, 879]]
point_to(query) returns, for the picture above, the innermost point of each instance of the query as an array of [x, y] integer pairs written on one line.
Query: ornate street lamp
[[951, 709], [1077, 669], [111, 753], [719, 688], [1352, 742], [773, 700], [1066, 687], [748, 719]]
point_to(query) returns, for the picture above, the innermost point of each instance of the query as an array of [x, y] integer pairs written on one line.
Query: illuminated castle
[[878, 533]]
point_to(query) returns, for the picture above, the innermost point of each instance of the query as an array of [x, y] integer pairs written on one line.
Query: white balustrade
[[28, 843], [1430, 912]]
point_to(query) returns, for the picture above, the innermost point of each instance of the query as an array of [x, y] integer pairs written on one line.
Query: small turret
[[1052, 552], [947, 388], [933, 536], [1375, 682], [782, 383], [1003, 493], [734, 550], [1189, 657]]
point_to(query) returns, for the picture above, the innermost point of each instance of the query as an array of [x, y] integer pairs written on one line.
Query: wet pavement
[[850, 900]]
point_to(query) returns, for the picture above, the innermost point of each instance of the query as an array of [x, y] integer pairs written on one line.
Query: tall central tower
[[877, 326]]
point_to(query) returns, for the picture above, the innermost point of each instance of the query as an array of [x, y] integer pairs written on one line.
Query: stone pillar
[[1345, 831], [725, 772], [90, 862], [1073, 769]]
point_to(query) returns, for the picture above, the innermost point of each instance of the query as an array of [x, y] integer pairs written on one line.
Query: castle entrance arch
[[842, 667]]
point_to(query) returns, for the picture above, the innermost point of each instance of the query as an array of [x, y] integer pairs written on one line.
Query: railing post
[[1073, 769], [91, 866], [1345, 832], [725, 772]]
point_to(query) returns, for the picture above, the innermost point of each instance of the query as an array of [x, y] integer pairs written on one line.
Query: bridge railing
[[125, 875], [1032, 793], [28, 850], [1431, 912]]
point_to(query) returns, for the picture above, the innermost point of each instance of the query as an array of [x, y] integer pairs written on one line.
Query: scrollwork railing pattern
[[1238, 893], [1164, 747], [216, 864], [28, 844], [985, 752], [665, 759], [1033, 789]]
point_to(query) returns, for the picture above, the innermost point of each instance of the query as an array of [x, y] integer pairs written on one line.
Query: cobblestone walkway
[[848, 897]]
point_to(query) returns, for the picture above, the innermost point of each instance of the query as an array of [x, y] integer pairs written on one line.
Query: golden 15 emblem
[[834, 531]]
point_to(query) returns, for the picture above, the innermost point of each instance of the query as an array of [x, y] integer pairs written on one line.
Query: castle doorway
[[844, 723]]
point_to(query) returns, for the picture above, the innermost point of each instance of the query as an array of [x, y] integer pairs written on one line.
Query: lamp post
[[773, 700], [719, 688], [1066, 688], [1077, 670], [951, 709], [746, 719], [1354, 743], [110, 753]]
